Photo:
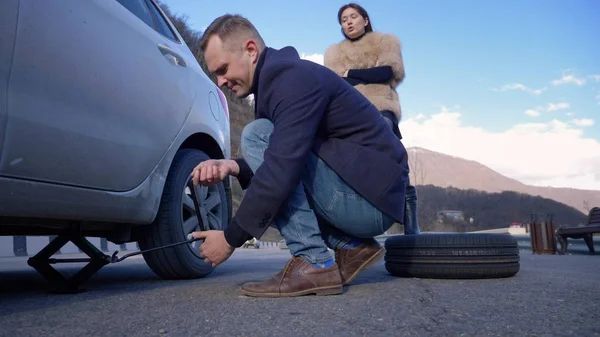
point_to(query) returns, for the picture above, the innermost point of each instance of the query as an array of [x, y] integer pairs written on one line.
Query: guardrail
[[576, 246], [32, 245], [268, 244], [11, 246]]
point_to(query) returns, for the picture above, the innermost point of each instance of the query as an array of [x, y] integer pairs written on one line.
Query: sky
[[514, 85]]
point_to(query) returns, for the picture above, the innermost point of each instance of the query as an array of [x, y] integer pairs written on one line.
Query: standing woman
[[372, 63]]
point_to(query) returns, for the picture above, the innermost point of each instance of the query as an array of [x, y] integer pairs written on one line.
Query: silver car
[[104, 112]]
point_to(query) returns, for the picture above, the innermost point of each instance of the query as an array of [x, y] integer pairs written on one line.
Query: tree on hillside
[[492, 210], [586, 206], [416, 167]]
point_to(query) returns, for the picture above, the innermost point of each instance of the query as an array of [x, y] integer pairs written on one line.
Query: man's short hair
[[231, 26]]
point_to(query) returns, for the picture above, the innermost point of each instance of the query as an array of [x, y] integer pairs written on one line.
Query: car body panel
[[8, 25], [136, 206], [82, 106], [71, 131]]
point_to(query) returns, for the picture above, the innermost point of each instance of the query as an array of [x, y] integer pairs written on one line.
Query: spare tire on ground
[[452, 255]]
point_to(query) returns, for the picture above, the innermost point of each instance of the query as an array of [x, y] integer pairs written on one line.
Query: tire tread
[[452, 255]]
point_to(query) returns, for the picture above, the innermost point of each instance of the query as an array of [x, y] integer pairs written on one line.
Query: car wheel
[[177, 218], [452, 255]]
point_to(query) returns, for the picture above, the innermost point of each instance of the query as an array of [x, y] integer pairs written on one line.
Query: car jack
[[97, 259]]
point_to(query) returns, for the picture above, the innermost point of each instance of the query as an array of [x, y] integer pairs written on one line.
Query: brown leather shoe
[[298, 277], [354, 260]]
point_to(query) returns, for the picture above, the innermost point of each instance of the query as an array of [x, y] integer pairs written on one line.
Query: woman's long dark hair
[[360, 10]]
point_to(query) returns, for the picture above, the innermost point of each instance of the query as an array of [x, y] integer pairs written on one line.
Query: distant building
[[451, 215]]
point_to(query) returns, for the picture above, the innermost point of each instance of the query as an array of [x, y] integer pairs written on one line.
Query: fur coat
[[374, 49]]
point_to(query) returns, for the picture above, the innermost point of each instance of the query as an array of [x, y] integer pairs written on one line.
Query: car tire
[[176, 218], [452, 255]]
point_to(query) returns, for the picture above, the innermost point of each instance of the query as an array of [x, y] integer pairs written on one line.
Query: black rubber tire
[[182, 261], [452, 255]]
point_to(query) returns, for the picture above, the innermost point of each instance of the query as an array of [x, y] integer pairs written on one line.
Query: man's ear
[[252, 50]]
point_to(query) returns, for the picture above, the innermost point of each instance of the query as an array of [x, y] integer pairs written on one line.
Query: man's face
[[233, 63]]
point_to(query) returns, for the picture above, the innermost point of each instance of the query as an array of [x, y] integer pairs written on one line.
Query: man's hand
[[212, 171], [215, 248]]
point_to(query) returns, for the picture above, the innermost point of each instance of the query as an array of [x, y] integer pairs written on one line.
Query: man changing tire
[[319, 163]]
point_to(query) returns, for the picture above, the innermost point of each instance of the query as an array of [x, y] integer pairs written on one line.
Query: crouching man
[[319, 163]]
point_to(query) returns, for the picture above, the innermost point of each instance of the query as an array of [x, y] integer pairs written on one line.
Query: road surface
[[551, 295]]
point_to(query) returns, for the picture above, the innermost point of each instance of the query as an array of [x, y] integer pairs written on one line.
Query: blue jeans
[[323, 212]]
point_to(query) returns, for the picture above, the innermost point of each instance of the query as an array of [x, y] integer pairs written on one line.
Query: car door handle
[[171, 56]]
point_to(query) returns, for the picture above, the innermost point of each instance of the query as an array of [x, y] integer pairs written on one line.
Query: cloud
[[543, 154], [551, 107], [317, 58], [557, 106], [583, 121], [566, 79], [518, 86], [595, 77], [570, 114], [532, 113]]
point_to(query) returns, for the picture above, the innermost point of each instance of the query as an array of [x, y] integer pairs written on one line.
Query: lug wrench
[[114, 258]]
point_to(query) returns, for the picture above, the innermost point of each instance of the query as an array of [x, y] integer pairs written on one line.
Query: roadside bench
[[581, 232]]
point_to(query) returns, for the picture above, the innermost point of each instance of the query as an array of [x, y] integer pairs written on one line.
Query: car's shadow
[[24, 289]]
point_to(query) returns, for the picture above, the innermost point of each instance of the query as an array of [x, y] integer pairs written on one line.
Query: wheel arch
[[203, 142]]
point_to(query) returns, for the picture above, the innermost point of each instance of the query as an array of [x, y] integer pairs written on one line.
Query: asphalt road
[[551, 295]]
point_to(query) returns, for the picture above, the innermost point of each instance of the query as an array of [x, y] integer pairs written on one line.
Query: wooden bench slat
[[579, 230]]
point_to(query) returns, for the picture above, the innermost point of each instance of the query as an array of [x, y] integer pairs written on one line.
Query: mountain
[[434, 168]]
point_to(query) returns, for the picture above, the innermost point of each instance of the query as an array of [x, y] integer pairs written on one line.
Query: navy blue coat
[[314, 109]]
